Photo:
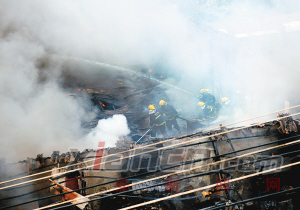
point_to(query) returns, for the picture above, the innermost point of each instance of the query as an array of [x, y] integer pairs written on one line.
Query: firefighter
[[157, 122], [225, 100], [225, 105], [170, 115], [208, 113], [227, 108], [207, 97]]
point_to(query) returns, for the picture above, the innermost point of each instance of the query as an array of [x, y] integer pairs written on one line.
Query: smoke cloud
[[109, 130], [227, 46]]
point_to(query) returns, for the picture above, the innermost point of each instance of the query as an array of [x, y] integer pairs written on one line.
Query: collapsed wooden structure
[[202, 152], [127, 92]]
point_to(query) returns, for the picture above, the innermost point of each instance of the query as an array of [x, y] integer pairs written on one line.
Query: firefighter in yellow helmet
[[157, 122], [208, 113], [170, 115], [227, 108], [207, 97], [204, 91], [225, 100]]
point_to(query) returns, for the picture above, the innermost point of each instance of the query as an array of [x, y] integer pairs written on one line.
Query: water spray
[[132, 71]]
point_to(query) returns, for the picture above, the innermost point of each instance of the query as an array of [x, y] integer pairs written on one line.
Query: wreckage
[[200, 150], [97, 179]]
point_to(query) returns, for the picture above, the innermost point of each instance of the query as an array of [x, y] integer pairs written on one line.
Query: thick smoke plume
[[109, 131], [247, 46]]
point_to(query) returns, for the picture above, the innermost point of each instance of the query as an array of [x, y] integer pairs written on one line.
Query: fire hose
[[151, 128], [144, 134], [183, 119]]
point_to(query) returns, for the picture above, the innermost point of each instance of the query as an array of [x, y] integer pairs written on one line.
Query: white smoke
[[35, 118], [109, 131], [252, 46]]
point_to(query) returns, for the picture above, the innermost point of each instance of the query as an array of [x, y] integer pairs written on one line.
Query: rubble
[[232, 142]]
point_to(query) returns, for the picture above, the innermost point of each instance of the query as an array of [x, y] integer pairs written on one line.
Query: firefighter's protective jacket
[[209, 113], [156, 119], [208, 98], [169, 112]]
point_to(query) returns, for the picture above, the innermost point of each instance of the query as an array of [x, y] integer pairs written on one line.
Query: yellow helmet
[[151, 107], [201, 103], [224, 99], [204, 91], [162, 102]]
